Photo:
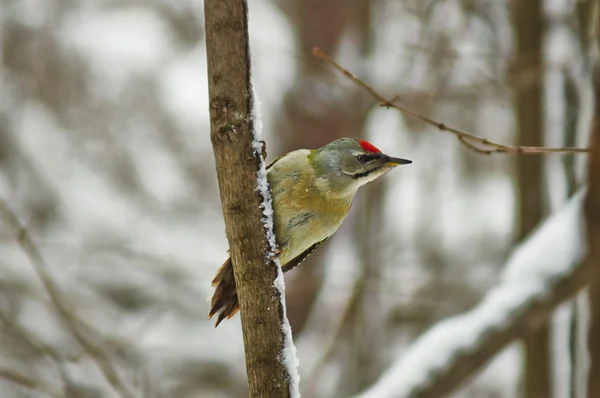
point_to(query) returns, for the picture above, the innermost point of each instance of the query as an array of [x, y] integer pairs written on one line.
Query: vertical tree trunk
[[572, 113], [231, 105], [364, 331], [593, 221], [586, 13], [593, 387], [528, 19], [593, 343]]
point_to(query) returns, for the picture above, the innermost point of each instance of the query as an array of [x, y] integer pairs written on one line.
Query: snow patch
[[289, 354], [289, 357], [118, 44], [184, 90]]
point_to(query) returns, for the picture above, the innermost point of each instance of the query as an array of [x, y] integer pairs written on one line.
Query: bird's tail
[[224, 302]]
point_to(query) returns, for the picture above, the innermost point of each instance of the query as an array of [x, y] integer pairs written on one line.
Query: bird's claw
[[276, 253]]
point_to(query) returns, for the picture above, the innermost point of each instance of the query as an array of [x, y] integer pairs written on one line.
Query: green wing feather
[[302, 256], [293, 263]]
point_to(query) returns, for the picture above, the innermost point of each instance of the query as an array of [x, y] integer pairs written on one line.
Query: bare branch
[[29, 383], [34, 343], [467, 139], [64, 309]]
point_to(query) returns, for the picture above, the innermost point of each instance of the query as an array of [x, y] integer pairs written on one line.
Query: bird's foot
[[276, 253]]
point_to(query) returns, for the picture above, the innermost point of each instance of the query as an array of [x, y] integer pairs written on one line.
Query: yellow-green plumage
[[305, 212], [312, 192]]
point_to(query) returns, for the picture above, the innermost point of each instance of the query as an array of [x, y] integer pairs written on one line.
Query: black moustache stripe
[[363, 174]]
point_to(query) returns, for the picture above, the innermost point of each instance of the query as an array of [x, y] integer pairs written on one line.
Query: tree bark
[[573, 105], [364, 327], [237, 163], [586, 14], [593, 225], [529, 29]]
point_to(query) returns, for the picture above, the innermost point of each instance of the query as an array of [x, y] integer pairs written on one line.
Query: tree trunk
[[528, 20], [586, 13], [593, 217], [237, 163], [570, 140], [365, 328]]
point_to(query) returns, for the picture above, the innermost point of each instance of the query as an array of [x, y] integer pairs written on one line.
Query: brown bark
[[364, 327], [593, 225], [237, 164], [529, 29], [572, 113], [586, 13], [593, 343]]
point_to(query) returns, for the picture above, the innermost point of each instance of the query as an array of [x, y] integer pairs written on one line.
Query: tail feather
[[224, 302]]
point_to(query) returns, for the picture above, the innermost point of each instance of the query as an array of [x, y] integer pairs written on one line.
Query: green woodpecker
[[312, 191]]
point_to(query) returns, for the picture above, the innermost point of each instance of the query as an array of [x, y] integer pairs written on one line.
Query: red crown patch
[[367, 146]]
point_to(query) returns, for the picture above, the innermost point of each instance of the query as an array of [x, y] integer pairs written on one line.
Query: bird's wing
[[302, 256]]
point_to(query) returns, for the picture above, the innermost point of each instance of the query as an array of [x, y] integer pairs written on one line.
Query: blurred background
[[106, 163]]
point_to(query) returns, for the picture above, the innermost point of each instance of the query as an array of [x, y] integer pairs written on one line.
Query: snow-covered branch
[[544, 270]]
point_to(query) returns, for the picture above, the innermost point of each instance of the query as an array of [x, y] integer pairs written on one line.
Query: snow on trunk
[[289, 357]]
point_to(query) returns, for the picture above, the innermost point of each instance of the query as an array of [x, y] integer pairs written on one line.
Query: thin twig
[[27, 382], [72, 322], [126, 338], [473, 147], [333, 341], [467, 139], [37, 345]]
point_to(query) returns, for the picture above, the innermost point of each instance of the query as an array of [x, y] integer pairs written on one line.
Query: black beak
[[393, 162]]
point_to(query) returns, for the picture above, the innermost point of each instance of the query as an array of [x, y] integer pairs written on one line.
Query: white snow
[[549, 253], [119, 44], [183, 89], [289, 354], [289, 357]]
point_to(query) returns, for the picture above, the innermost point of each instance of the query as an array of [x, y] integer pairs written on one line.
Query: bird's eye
[[362, 158]]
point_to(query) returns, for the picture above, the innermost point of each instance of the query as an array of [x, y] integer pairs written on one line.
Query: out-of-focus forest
[[110, 220]]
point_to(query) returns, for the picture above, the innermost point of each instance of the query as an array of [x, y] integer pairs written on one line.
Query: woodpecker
[[312, 192]]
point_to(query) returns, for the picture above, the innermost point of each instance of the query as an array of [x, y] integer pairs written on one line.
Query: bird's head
[[344, 165]]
